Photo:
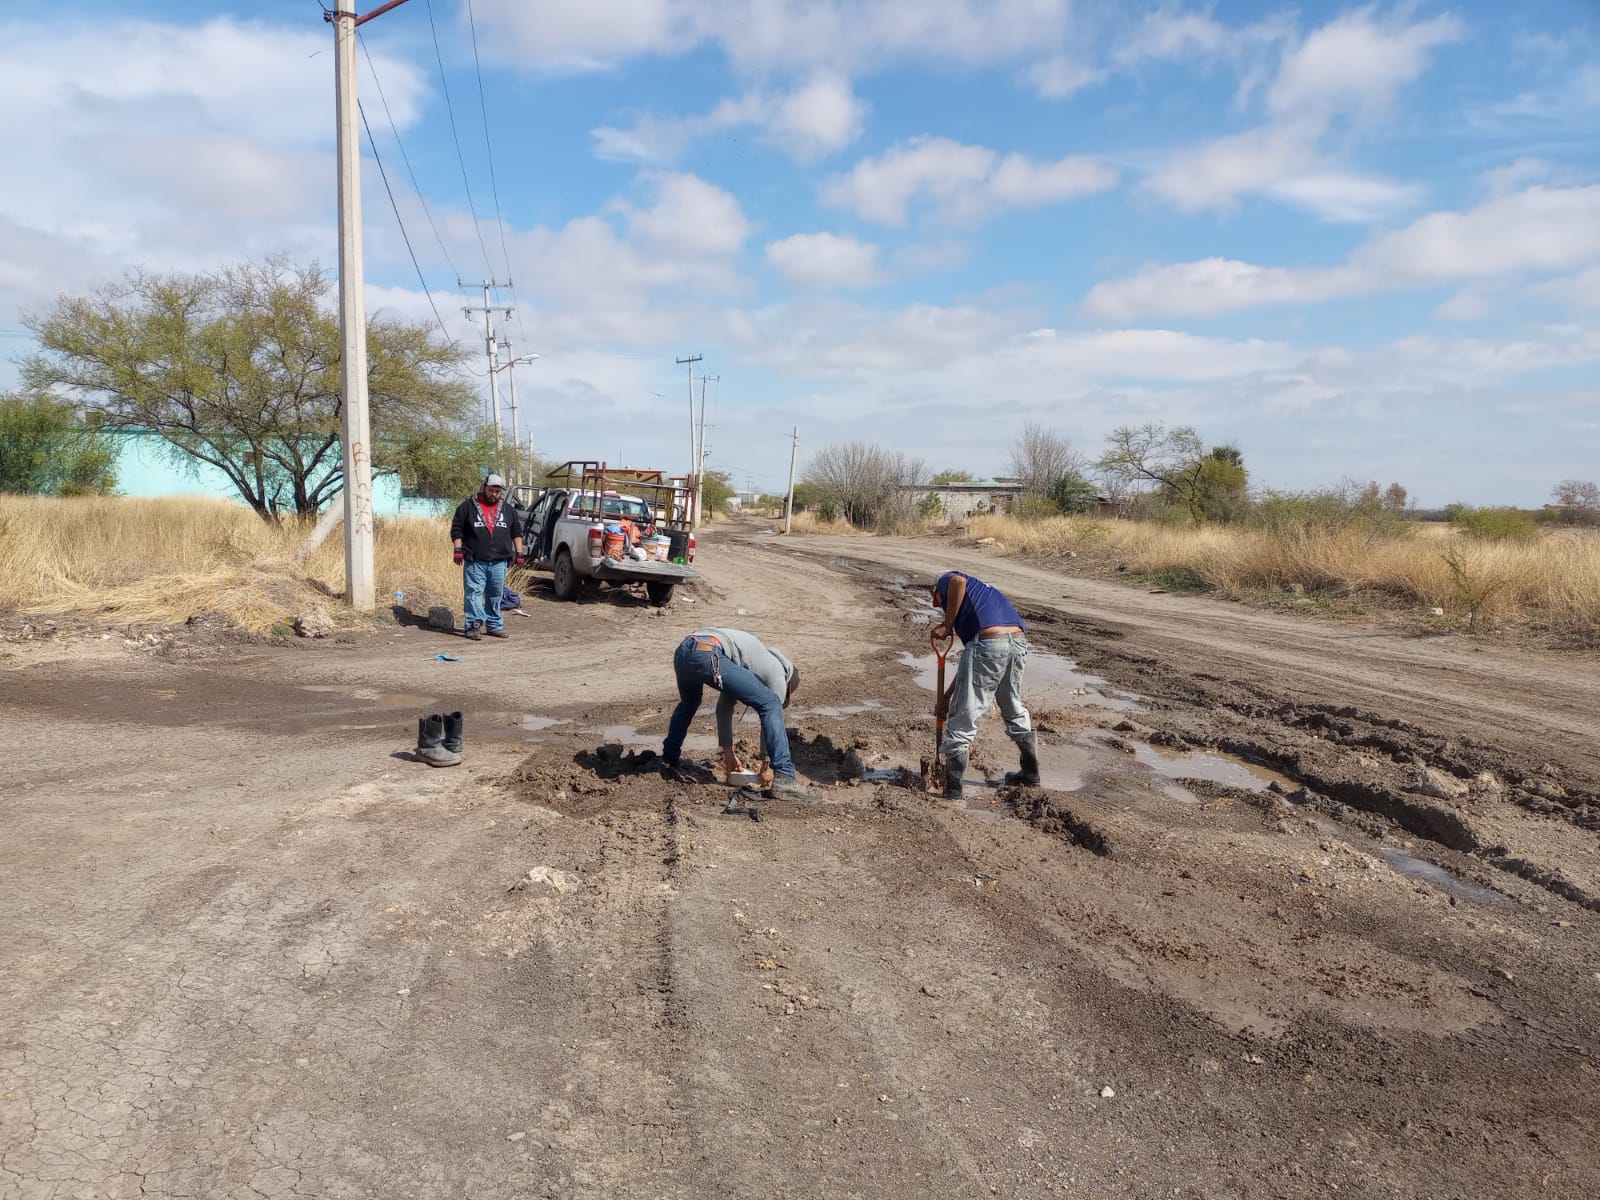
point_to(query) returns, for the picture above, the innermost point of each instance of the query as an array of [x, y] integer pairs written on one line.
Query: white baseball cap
[[494, 481]]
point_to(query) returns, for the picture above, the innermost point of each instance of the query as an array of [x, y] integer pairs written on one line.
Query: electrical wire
[[494, 186], [384, 175], [456, 137], [406, 158]]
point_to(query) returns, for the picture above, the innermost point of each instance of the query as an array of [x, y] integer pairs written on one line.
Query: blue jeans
[[990, 670], [699, 669], [485, 583]]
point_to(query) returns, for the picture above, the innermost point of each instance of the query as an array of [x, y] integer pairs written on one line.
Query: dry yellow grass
[[810, 522], [1553, 580], [132, 561]]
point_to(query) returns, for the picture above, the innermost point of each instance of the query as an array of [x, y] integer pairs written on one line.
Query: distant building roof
[[968, 485]]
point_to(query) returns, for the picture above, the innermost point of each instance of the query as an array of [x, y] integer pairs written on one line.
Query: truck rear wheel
[[660, 593], [567, 582]]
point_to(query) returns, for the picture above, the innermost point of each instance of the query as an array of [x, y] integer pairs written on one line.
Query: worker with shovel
[[995, 648]]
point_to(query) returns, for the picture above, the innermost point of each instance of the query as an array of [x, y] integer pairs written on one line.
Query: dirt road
[[1306, 910]]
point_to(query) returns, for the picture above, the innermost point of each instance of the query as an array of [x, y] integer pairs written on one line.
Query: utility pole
[[491, 346], [510, 369], [694, 446], [359, 566], [788, 508], [700, 461]]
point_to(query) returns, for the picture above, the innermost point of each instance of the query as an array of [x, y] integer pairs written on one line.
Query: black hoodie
[[481, 543]]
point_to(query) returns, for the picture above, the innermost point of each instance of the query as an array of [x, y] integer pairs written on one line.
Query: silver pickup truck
[[564, 533]]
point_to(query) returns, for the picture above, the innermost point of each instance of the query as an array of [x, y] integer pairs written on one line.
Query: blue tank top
[[982, 606]]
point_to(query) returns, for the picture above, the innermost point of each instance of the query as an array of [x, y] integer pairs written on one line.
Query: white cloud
[[1350, 68], [690, 216], [1168, 35], [962, 183], [819, 117], [1579, 292], [825, 260], [1518, 173], [1356, 62], [178, 146], [763, 35], [1466, 305], [1210, 287], [1062, 75], [1537, 230]]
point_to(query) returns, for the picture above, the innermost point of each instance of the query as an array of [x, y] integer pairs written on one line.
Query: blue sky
[[1357, 241]]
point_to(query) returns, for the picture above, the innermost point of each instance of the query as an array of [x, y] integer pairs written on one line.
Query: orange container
[[613, 545]]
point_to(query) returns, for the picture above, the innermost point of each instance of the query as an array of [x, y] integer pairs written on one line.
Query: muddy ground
[[1304, 910]]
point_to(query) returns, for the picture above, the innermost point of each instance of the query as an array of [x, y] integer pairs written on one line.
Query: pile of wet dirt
[[1048, 815]]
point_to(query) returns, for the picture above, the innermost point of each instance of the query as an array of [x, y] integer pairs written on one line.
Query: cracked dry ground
[[252, 951]]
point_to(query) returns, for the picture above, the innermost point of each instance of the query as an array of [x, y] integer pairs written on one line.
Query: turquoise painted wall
[[145, 468]]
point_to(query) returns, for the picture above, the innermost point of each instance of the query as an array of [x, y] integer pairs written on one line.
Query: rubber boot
[[1028, 776], [955, 770], [788, 787], [430, 743], [453, 732]]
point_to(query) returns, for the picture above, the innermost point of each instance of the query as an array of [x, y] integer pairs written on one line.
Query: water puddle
[[373, 696], [629, 735], [1434, 875], [1213, 766], [839, 710], [533, 722], [1048, 681]]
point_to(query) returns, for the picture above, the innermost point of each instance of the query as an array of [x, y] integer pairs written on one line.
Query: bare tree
[[1576, 493], [863, 482], [1174, 460], [1039, 457]]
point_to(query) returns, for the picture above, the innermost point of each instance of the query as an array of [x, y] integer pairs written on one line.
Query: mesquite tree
[[239, 368]]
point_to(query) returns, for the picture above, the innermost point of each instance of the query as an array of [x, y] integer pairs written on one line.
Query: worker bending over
[[745, 671]]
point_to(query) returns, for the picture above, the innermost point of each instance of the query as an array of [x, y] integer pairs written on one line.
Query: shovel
[[933, 769]]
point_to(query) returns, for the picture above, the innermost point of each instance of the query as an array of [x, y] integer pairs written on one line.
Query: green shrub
[[1495, 524]]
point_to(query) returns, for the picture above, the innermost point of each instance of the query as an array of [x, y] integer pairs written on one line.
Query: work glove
[[519, 560], [460, 556]]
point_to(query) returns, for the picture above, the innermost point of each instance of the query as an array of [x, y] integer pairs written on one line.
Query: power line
[[404, 236], [404, 157], [488, 147], [494, 186], [456, 137]]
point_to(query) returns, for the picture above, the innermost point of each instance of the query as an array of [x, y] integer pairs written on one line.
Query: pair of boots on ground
[[955, 768], [439, 739]]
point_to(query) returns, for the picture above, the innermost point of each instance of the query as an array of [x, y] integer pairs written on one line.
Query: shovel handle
[[941, 649]]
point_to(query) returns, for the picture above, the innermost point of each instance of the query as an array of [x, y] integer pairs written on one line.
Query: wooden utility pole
[[359, 566]]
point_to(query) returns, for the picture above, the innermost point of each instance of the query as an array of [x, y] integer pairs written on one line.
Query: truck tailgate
[[633, 571]]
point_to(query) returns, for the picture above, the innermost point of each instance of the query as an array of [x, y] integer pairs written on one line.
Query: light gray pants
[[990, 670]]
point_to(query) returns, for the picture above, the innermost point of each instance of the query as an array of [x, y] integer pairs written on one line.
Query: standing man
[[995, 647], [745, 671], [487, 541]]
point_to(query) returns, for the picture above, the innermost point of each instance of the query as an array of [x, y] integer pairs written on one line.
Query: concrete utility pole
[[788, 508], [359, 569], [510, 368], [694, 446], [491, 347], [700, 461]]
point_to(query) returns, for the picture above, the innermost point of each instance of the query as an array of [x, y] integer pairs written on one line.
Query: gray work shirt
[[767, 664]]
